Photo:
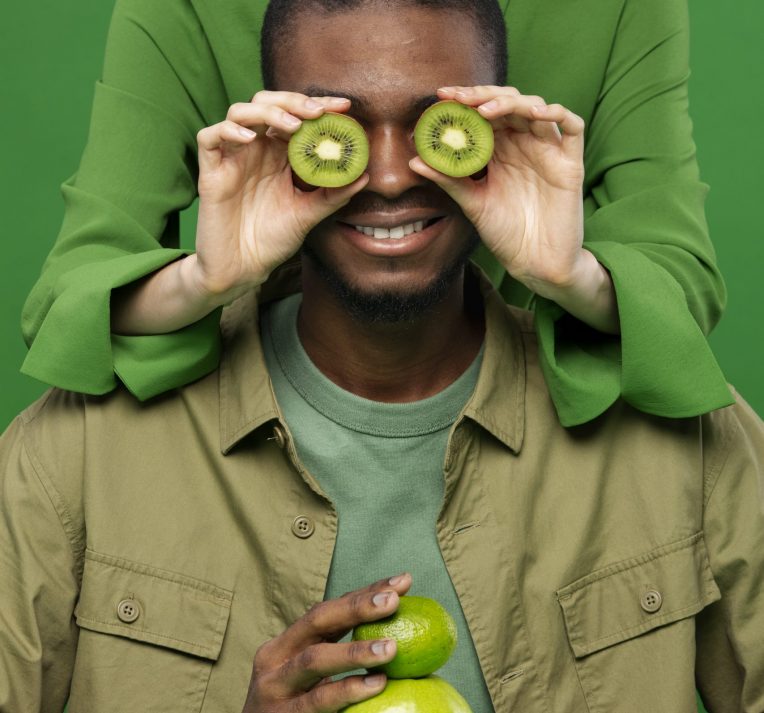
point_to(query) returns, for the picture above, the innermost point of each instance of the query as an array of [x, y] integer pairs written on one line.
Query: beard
[[388, 306]]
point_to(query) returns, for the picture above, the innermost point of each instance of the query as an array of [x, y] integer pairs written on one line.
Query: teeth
[[395, 233]]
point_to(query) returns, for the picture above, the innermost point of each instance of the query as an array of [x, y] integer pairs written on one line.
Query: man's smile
[[396, 237]]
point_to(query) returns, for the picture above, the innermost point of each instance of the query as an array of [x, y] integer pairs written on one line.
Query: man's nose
[[390, 150]]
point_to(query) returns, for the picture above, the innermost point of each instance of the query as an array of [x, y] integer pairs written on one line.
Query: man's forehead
[[371, 55]]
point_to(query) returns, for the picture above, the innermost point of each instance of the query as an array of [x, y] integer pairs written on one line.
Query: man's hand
[[291, 673], [528, 209], [251, 215]]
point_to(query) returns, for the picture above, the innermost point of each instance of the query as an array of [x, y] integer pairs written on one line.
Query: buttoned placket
[[310, 527], [471, 546]]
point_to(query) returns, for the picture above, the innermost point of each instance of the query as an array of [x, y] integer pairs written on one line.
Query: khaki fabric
[[558, 542]]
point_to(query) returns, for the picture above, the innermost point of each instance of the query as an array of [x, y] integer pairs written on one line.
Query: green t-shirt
[[381, 464]]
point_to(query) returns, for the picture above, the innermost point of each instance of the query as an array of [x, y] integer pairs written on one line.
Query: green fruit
[[418, 695], [330, 151], [425, 634], [454, 139]]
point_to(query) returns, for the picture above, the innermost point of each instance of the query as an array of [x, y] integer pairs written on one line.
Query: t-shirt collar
[[246, 395]]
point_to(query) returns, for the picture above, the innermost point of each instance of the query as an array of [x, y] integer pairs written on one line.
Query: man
[[389, 417]]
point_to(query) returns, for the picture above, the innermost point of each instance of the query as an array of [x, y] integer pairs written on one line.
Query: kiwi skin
[[478, 134], [329, 173]]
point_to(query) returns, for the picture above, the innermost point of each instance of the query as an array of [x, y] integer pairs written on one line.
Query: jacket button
[[128, 610], [651, 601], [279, 436], [303, 527]]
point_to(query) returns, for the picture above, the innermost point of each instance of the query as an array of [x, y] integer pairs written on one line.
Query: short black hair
[[486, 14]]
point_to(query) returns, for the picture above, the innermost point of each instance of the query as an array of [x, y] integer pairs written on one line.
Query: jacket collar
[[246, 394], [498, 402]]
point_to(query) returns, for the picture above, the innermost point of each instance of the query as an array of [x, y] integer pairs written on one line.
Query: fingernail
[[381, 599], [339, 100], [396, 580], [540, 108], [380, 648], [489, 106], [310, 104], [463, 92], [374, 679], [246, 133], [445, 89], [290, 120]]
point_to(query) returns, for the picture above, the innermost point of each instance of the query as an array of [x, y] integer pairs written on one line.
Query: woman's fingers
[[571, 125], [259, 117], [517, 113], [212, 138], [476, 95], [506, 107], [462, 190], [300, 104]]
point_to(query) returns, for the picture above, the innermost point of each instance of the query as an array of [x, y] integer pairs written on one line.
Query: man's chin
[[388, 304]]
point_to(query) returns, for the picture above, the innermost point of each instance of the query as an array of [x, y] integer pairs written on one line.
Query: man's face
[[389, 62]]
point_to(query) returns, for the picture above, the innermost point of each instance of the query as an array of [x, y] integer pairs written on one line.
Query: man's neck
[[393, 363]]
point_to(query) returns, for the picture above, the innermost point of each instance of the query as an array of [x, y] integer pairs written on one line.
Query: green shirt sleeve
[[160, 85], [645, 222]]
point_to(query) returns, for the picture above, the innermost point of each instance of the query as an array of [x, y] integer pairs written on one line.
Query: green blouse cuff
[[83, 355], [149, 365], [661, 363]]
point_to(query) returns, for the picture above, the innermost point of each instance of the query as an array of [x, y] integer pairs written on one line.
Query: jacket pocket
[[148, 637], [631, 628]]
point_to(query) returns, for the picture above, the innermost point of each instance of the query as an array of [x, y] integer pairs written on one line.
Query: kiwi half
[[329, 151], [454, 139]]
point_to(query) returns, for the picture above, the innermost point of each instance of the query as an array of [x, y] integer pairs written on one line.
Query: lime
[[414, 695], [425, 632]]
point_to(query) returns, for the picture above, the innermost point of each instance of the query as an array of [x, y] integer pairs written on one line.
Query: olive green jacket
[[175, 66], [147, 550]]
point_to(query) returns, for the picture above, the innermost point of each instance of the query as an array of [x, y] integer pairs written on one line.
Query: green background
[[50, 57]]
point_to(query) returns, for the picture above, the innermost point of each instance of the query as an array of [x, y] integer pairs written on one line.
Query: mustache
[[369, 202]]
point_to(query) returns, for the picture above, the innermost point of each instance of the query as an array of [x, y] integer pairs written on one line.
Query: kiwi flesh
[[330, 151], [454, 139]]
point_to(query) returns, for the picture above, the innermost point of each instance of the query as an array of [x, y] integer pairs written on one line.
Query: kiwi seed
[[454, 139], [329, 151]]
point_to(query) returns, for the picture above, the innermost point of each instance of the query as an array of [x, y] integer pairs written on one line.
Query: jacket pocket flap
[[154, 605], [633, 596]]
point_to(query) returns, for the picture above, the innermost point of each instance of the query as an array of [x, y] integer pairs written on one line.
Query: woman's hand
[[251, 215], [528, 208]]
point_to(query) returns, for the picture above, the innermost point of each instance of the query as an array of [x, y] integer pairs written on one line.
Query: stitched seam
[[62, 512], [666, 618], [217, 595], [627, 564], [512, 676], [720, 465], [204, 650], [464, 528]]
